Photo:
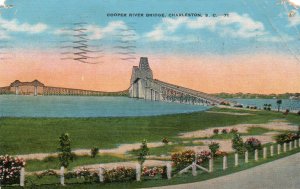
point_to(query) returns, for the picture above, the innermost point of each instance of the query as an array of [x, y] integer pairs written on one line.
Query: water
[[293, 105], [83, 106]]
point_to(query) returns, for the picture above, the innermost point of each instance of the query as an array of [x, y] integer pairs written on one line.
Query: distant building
[[37, 88]]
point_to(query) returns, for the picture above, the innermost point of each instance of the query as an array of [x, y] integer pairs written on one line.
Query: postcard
[[150, 94]]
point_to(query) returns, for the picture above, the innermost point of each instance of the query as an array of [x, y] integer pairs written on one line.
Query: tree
[[279, 102], [237, 143], [143, 152], [65, 155]]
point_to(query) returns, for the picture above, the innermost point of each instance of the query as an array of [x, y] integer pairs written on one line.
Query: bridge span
[[143, 86]]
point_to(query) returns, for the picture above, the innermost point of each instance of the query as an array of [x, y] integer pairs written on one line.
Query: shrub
[[83, 173], [119, 174], [237, 143], [183, 159], [10, 168], [287, 111], [224, 131], [94, 152], [298, 113], [49, 172], [203, 157], [234, 130], [286, 137], [216, 131], [252, 144], [165, 140], [214, 147], [220, 153], [153, 172]]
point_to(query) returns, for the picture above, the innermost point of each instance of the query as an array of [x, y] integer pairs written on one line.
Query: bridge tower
[[141, 80]]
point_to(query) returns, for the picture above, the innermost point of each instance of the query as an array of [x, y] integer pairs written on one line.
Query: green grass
[[257, 131], [53, 162], [35, 135]]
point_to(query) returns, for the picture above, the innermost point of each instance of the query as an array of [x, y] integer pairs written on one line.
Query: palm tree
[[279, 102]]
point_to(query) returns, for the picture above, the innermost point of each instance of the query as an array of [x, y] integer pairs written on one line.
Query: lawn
[[36, 135]]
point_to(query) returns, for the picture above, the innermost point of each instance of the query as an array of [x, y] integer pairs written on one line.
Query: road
[[280, 174]]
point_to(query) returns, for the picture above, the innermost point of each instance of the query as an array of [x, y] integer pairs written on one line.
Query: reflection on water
[[83, 106]]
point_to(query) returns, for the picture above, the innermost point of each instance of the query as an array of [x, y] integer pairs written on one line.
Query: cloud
[[294, 3], [295, 20], [97, 32], [15, 26], [236, 26]]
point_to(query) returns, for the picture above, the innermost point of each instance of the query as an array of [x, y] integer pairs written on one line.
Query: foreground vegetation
[[36, 135]]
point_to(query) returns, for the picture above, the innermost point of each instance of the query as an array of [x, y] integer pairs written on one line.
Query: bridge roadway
[[143, 86], [190, 92]]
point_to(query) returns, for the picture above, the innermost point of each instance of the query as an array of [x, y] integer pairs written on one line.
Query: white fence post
[[290, 146], [272, 150], [246, 157], [22, 177], [299, 142], [211, 165], [295, 143], [194, 169], [101, 176], [236, 159], [278, 148], [265, 153], [138, 172], [256, 155], [224, 162], [169, 170], [284, 147], [62, 175]]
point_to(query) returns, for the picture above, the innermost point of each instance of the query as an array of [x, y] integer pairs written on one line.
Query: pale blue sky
[[252, 25]]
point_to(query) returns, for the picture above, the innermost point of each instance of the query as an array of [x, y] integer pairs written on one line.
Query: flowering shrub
[[252, 144], [224, 131], [286, 137], [49, 172], [214, 147], [234, 130], [220, 153], [83, 173], [152, 172], [10, 168], [203, 156], [216, 131], [119, 174], [183, 159]]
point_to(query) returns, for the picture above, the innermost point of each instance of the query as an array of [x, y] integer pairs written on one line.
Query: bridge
[[143, 86], [36, 88]]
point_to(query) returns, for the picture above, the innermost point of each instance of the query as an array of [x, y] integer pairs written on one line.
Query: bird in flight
[[4, 6]]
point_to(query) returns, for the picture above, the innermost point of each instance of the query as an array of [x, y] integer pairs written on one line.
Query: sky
[[208, 45]]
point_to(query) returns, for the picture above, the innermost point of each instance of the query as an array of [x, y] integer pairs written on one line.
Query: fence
[[236, 160]]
